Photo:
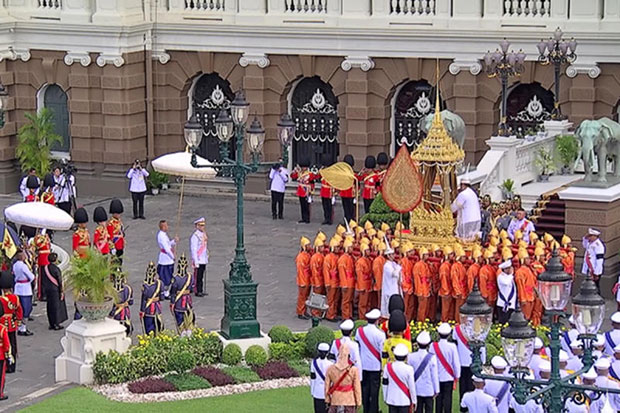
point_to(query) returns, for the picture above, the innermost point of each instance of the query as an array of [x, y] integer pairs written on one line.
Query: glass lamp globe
[[554, 285], [588, 308], [256, 137], [192, 132], [518, 341], [286, 130], [239, 108], [224, 126], [476, 316], [542, 47]]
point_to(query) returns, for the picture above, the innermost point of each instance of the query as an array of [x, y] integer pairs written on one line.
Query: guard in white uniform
[[544, 370], [589, 379], [603, 379], [371, 339], [426, 374], [507, 292], [612, 337], [563, 363], [478, 401], [391, 281], [462, 345], [448, 366], [346, 327], [569, 336], [467, 207], [499, 390], [599, 347], [200, 254], [537, 358], [614, 370], [318, 368], [574, 362], [399, 391], [594, 255], [521, 223], [165, 261]]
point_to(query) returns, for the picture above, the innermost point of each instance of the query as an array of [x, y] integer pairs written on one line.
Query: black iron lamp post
[[504, 64], [239, 319], [518, 341], [286, 131], [557, 51], [4, 100]]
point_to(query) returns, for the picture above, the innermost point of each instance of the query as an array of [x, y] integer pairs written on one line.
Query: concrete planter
[[94, 311]]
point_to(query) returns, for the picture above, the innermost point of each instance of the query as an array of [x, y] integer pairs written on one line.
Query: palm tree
[[34, 142]]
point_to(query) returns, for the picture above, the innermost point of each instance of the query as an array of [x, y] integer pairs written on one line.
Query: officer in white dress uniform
[[537, 358], [612, 337], [399, 391], [614, 370], [544, 368], [318, 368], [371, 339], [426, 374], [569, 336], [165, 261], [574, 361], [521, 223], [462, 345], [467, 207], [529, 407], [507, 292], [448, 366], [478, 401], [346, 327], [500, 390], [594, 255], [391, 281], [589, 379], [603, 379], [599, 347], [200, 254], [563, 363]]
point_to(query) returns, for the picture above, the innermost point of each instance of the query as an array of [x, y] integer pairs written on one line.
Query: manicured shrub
[[181, 361], [316, 335], [214, 376], [241, 374], [255, 356], [280, 334], [232, 354], [150, 385], [300, 366], [114, 368], [187, 381], [285, 352], [276, 370]]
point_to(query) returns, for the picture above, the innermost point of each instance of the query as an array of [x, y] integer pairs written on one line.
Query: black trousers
[[425, 405], [305, 208], [277, 204], [328, 210], [200, 275], [319, 406], [444, 400], [465, 382], [349, 208], [13, 340], [119, 256], [370, 391], [137, 198], [503, 316], [65, 206], [3, 364], [367, 203], [398, 409]]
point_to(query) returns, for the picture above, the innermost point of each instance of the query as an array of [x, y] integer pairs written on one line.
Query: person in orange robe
[[363, 281], [346, 277], [407, 281], [525, 280], [434, 261], [422, 285], [488, 280], [458, 276], [445, 286], [473, 271], [330, 277], [316, 270], [303, 277], [377, 274]]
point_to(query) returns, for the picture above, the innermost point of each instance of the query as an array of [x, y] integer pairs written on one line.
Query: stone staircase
[[548, 215], [225, 187]]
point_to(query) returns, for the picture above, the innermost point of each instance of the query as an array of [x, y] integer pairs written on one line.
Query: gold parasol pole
[[180, 206], [357, 203]]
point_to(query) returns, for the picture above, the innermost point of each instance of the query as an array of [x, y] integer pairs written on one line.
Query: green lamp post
[[239, 319]]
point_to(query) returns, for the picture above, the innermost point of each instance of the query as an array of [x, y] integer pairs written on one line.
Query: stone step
[[225, 188]]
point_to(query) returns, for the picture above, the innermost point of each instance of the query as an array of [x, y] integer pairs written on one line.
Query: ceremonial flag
[[8, 245], [340, 176], [402, 185]]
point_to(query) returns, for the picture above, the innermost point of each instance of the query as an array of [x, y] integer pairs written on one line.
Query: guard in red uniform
[[115, 228], [305, 185], [32, 183], [5, 355], [81, 237], [43, 247], [369, 179], [327, 196], [48, 185], [12, 315], [101, 238], [348, 195]]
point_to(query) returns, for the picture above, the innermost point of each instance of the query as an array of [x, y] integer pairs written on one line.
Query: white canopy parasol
[[39, 215], [179, 163]]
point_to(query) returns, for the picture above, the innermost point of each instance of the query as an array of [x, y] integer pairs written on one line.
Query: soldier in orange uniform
[[422, 285], [346, 278], [81, 237], [316, 267], [302, 262], [458, 276], [377, 274], [115, 229], [567, 255], [13, 314], [434, 261], [445, 286], [406, 281], [330, 277], [488, 279], [525, 280], [101, 238], [363, 280]]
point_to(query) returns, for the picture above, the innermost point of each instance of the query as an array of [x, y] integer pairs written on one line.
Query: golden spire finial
[[437, 116]]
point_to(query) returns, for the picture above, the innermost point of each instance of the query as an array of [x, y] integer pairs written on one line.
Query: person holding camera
[[279, 177], [64, 188], [137, 186]]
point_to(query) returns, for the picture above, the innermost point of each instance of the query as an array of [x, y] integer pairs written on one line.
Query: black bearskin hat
[[349, 159], [32, 182], [370, 162], [304, 161], [383, 159], [81, 216], [396, 303], [100, 215], [116, 206], [6, 280], [48, 181], [397, 322]]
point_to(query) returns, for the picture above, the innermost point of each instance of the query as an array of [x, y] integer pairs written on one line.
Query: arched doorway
[[528, 105], [314, 108], [412, 103], [209, 95], [55, 99]]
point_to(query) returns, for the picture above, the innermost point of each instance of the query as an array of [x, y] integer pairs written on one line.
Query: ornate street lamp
[[192, 133], [504, 64], [4, 100], [558, 51], [256, 137], [554, 285], [476, 316], [286, 131], [518, 341]]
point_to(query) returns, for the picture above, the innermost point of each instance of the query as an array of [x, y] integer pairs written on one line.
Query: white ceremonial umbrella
[[178, 163], [39, 215]]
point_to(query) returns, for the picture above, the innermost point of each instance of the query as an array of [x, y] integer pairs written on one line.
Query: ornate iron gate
[[528, 106], [55, 99], [314, 110], [211, 94], [414, 101]]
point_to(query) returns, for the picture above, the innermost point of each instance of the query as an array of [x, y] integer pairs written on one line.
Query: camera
[[68, 168]]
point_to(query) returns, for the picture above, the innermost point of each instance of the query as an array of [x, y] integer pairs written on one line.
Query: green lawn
[[273, 401]]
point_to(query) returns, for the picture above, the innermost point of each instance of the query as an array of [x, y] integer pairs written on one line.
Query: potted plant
[[507, 187], [156, 181], [544, 163], [89, 278], [567, 148]]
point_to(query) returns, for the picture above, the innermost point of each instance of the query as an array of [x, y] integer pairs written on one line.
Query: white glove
[[309, 199], [354, 201], [113, 251], [333, 200]]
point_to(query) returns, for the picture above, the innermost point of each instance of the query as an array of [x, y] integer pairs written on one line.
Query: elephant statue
[[454, 124], [601, 138]]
